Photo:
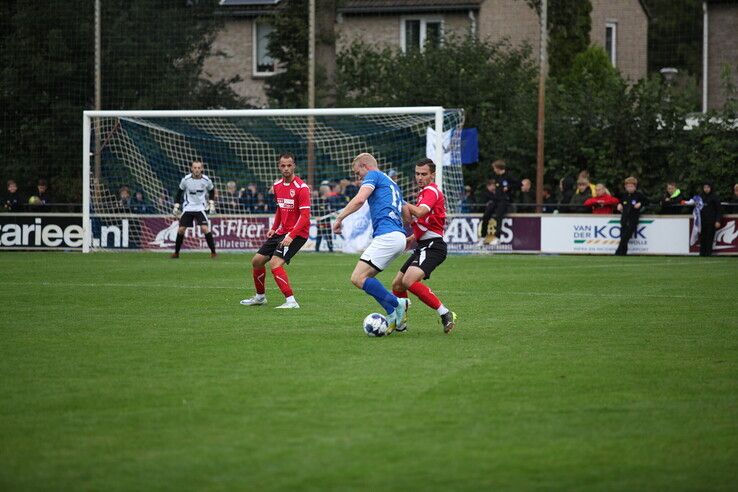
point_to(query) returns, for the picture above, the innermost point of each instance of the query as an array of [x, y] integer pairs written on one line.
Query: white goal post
[[149, 150]]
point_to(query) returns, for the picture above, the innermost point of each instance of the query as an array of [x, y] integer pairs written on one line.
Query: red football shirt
[[432, 224], [293, 198]]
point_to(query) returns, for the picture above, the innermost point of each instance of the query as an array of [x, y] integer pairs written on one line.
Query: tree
[[288, 43], [569, 25], [493, 82], [153, 55]]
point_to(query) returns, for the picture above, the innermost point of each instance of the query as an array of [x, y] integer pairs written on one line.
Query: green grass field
[[135, 372]]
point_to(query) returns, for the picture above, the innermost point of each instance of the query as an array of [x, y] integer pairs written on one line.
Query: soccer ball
[[375, 325]]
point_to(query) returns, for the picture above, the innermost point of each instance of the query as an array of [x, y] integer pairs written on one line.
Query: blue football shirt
[[385, 203]]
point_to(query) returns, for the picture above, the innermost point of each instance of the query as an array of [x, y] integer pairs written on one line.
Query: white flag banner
[[357, 230], [430, 146]]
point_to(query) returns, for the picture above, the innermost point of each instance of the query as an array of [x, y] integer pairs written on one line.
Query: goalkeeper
[[198, 193]]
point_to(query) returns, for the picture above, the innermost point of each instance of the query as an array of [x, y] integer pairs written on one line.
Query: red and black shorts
[[427, 256], [271, 247]]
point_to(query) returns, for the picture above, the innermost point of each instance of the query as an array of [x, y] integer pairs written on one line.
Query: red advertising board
[[726, 237]]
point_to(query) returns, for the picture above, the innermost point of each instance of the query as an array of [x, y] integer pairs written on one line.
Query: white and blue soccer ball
[[375, 325]]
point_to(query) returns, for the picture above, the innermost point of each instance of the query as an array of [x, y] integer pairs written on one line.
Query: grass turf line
[[132, 371]]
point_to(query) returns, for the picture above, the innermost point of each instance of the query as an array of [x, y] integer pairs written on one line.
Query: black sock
[[211, 242], [178, 244]]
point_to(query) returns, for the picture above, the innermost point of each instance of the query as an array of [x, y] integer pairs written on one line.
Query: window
[[263, 63], [611, 42], [415, 33]]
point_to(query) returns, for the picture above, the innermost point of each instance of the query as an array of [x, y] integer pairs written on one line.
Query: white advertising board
[[591, 234]]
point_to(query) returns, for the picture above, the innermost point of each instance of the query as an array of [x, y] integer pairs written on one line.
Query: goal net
[[134, 162]]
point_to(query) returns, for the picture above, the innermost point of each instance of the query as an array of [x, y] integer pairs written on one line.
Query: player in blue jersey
[[388, 239]]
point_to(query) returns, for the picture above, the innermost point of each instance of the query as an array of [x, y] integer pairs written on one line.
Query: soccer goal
[[146, 153]]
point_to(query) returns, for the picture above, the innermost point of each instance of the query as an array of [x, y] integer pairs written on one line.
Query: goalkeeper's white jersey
[[195, 193]]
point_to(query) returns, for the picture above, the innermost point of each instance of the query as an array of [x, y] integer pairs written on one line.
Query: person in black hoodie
[[710, 217], [631, 205], [13, 201], [566, 186], [507, 188], [492, 197]]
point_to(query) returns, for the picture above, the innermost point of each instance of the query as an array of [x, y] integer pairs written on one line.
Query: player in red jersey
[[429, 221], [286, 236]]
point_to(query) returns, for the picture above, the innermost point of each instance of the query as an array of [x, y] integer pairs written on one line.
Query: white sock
[[260, 296], [442, 309], [291, 299]]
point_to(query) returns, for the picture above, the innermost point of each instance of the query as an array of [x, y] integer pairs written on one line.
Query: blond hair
[[366, 159], [630, 180]]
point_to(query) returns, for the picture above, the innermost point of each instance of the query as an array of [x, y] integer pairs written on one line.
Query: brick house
[[722, 48], [619, 26]]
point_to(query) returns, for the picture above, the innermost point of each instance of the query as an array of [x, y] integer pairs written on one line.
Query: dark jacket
[[628, 201], [670, 203], [508, 185], [567, 191], [549, 205], [577, 202], [711, 210], [526, 197], [13, 202], [732, 208]]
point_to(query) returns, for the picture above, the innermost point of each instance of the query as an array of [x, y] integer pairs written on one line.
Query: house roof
[[396, 6], [260, 7]]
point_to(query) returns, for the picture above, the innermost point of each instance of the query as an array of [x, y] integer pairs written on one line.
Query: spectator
[[163, 202], [13, 200], [468, 203], [322, 209], [672, 199], [260, 206], [631, 204], [42, 192], [124, 198], [271, 201], [526, 197], [231, 199], [582, 194], [508, 184], [495, 201], [733, 207], [549, 202], [566, 187], [392, 175], [584, 174], [602, 203], [710, 217], [138, 204], [352, 189], [248, 196], [336, 199]]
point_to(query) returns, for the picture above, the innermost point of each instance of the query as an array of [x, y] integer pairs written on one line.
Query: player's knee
[[358, 280], [257, 262], [406, 283], [181, 230], [276, 262]]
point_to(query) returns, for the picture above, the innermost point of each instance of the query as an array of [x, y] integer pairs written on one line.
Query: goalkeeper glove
[[211, 207], [175, 211]]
